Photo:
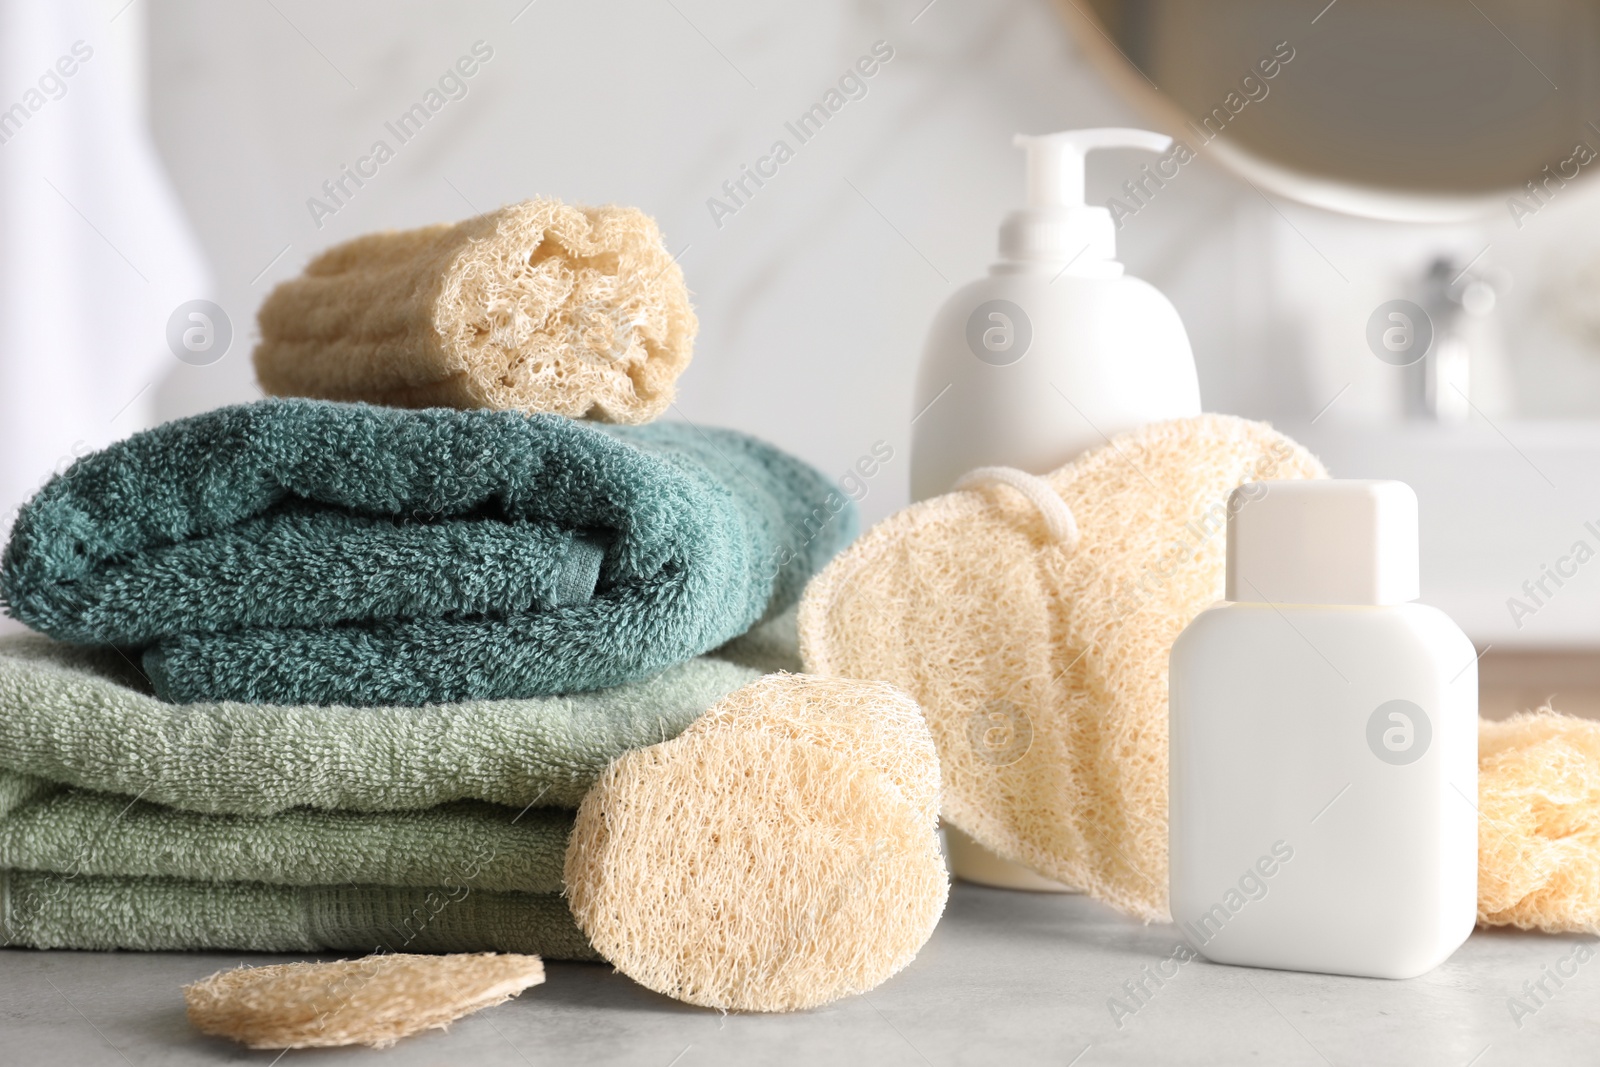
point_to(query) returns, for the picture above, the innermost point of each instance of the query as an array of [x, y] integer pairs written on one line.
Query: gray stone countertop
[[1008, 978]]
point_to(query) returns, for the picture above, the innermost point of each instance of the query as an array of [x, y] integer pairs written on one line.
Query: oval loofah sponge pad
[[873, 722], [372, 1001], [539, 306], [1539, 823], [1042, 669], [761, 863]]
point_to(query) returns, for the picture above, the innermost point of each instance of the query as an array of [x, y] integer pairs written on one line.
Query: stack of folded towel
[[323, 675], [128, 822]]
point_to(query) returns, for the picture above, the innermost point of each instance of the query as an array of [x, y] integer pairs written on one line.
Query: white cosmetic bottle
[[1052, 353], [1324, 744], [1057, 349]]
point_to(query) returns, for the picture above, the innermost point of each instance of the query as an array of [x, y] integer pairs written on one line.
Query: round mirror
[[1421, 110]]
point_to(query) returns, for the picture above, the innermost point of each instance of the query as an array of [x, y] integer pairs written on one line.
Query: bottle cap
[[1328, 541], [1058, 227]]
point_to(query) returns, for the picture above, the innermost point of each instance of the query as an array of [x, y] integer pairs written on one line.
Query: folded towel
[[83, 717], [76, 832], [538, 306], [307, 552], [89, 870], [164, 915], [127, 822]]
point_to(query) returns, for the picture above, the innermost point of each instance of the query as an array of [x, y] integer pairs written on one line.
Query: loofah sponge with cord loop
[[372, 1001], [779, 855], [1539, 823], [539, 306], [1035, 638]]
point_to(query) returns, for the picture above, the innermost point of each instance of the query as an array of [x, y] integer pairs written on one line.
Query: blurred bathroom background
[[184, 160]]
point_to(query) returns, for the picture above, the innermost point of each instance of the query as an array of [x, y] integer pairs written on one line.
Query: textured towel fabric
[[127, 822], [80, 717], [770, 647], [93, 871], [166, 915], [478, 846], [539, 306], [307, 552]]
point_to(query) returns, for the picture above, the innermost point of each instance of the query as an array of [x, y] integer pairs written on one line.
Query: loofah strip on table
[[1037, 647], [539, 306], [372, 1001], [1539, 823], [779, 856]]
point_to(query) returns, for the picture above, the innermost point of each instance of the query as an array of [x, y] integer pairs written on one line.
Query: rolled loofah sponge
[[764, 861], [1539, 823], [1036, 641], [373, 1001], [538, 306]]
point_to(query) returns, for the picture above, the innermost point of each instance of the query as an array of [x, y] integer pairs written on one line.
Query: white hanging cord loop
[[1058, 520]]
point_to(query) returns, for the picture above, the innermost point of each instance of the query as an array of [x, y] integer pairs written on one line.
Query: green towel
[[83, 717], [310, 552], [93, 871], [164, 915], [128, 822], [466, 843]]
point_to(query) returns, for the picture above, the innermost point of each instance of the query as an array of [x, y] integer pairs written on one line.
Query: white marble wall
[[814, 297]]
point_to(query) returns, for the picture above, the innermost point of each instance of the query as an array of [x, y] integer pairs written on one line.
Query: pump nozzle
[[1058, 225], [1055, 160]]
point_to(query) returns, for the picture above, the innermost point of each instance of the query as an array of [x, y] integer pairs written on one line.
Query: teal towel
[[310, 552]]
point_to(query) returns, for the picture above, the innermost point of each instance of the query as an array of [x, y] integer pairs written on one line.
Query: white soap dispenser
[[1057, 349], [1324, 744], [1052, 353]]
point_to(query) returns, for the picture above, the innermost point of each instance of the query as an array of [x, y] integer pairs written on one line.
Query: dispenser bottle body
[[1028, 370], [1323, 787], [1049, 355]]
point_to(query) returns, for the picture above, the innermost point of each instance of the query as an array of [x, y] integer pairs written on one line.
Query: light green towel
[[83, 717], [127, 822]]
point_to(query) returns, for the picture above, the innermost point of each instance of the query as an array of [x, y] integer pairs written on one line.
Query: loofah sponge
[[373, 1001], [873, 722], [538, 307], [1036, 639], [778, 856], [1539, 823]]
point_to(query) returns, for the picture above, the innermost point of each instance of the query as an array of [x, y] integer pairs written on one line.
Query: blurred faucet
[[1438, 386]]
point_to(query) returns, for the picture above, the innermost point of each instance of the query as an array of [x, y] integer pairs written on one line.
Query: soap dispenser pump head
[[1056, 160], [1058, 226]]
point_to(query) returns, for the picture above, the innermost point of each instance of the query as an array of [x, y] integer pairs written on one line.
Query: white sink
[[1500, 504]]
